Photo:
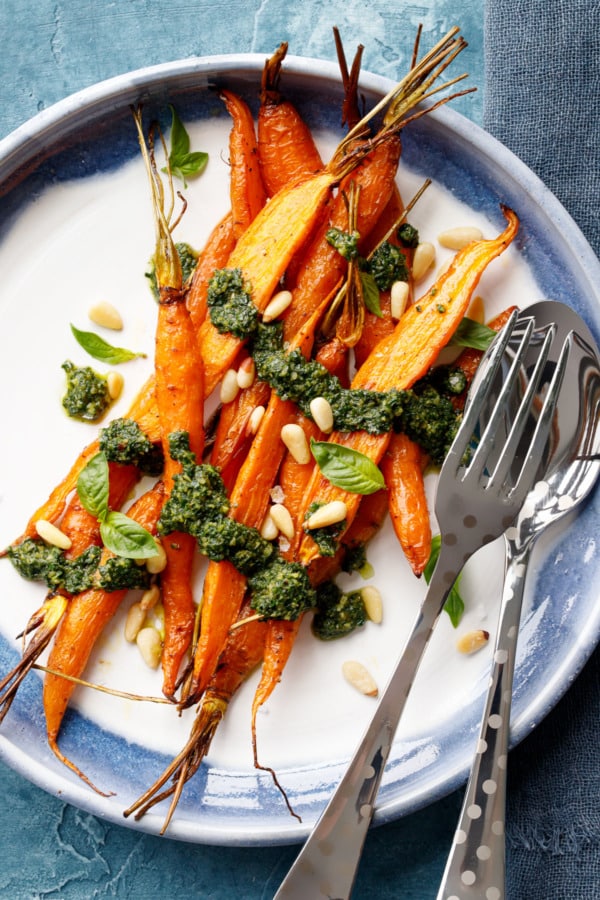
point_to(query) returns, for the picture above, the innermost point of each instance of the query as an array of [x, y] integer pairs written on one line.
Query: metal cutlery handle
[[326, 866], [476, 867]]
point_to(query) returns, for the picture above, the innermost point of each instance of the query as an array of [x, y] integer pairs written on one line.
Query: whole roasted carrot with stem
[[241, 655], [180, 403], [286, 148], [246, 187], [85, 618], [402, 467], [399, 360]]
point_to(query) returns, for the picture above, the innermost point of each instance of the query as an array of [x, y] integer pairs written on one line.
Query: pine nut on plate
[[277, 306], [150, 646], [320, 410], [423, 259], [52, 535], [294, 439], [457, 238], [328, 514], [106, 315], [360, 678]]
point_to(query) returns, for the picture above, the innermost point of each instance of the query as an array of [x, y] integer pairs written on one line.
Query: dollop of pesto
[[337, 613], [124, 442], [230, 305], [387, 265], [408, 235], [345, 242], [37, 561], [325, 538], [87, 395], [119, 573], [188, 258], [198, 504]]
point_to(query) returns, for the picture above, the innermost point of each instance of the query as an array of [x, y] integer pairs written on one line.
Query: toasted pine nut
[[423, 259], [150, 598], [269, 530], [114, 383], [457, 238], [246, 373], [329, 514], [373, 603], [156, 564], [472, 641], [255, 419], [280, 514], [136, 616], [294, 439], [398, 298], [105, 315], [476, 309], [322, 413], [360, 678], [52, 535], [150, 646], [279, 303], [229, 386]]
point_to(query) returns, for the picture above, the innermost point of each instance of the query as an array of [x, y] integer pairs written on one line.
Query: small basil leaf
[[346, 468], [182, 163], [92, 486], [180, 139], [454, 604], [472, 334], [100, 349], [126, 538], [370, 293]]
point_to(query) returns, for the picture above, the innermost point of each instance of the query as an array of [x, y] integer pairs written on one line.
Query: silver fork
[[476, 865], [473, 506]]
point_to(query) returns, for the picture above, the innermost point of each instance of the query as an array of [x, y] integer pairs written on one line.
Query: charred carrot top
[[403, 357]]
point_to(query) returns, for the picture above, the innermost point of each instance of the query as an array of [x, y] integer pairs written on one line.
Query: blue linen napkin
[[542, 89]]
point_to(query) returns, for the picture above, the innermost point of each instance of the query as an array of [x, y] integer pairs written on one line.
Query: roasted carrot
[[405, 356], [402, 467], [286, 147], [86, 616], [246, 187], [180, 402], [233, 437], [242, 653], [215, 254]]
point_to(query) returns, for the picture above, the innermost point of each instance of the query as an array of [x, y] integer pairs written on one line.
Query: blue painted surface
[[51, 49]]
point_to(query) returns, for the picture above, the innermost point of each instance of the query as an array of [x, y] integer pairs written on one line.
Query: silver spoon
[[476, 866]]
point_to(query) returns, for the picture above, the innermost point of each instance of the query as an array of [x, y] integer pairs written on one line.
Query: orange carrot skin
[[262, 254], [402, 468], [406, 355], [286, 148], [242, 653], [246, 187], [322, 265], [85, 618], [180, 401], [232, 438], [215, 254]]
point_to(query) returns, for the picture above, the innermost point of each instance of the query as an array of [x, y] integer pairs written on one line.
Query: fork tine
[[476, 399], [480, 457], [523, 415], [542, 429]]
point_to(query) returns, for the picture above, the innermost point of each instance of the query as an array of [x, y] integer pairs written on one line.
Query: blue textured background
[[51, 850]]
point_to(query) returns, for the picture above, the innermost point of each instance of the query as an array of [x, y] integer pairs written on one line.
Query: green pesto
[[408, 236], [325, 538], [37, 561], [281, 590], [337, 613], [87, 395], [387, 265], [188, 259], [123, 441], [345, 242], [119, 573], [230, 305], [198, 505], [355, 558], [430, 420]]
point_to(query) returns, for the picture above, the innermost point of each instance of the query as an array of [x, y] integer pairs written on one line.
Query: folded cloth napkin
[[542, 89]]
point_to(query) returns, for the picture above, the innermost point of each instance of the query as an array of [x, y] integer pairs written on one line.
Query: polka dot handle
[[476, 865]]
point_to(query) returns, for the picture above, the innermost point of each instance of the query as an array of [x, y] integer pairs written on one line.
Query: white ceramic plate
[[75, 228]]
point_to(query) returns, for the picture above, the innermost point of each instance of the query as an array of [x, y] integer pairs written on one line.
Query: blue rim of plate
[[566, 269]]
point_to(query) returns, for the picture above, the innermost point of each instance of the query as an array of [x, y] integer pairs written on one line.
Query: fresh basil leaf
[[92, 486], [346, 468], [473, 334], [127, 538], [100, 349], [454, 605], [182, 162], [370, 293]]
